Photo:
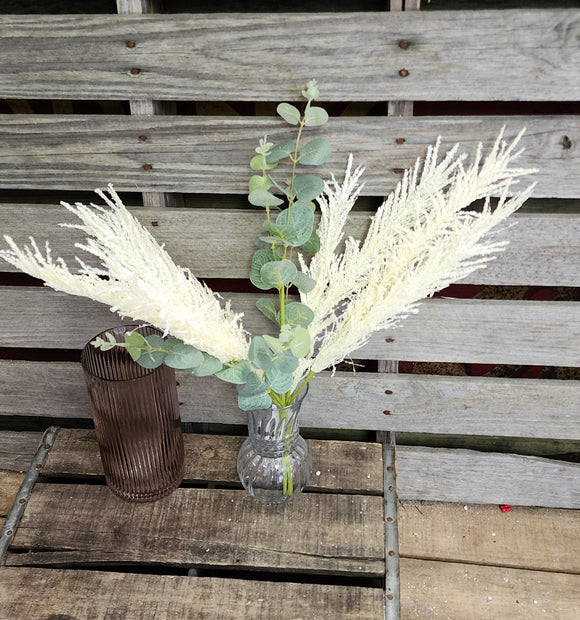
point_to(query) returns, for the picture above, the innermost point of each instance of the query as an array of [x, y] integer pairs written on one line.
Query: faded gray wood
[[322, 533], [17, 448], [211, 154], [544, 249], [418, 403], [486, 478], [444, 330], [38, 594], [479, 55], [213, 458]]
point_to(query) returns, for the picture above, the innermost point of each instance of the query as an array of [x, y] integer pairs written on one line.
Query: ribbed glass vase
[[137, 420], [274, 463]]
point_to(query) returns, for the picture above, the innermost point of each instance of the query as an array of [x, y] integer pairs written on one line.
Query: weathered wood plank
[[529, 538], [17, 449], [10, 482], [322, 533], [36, 594], [459, 591], [211, 154], [213, 459], [471, 477], [444, 330], [209, 57], [544, 249], [417, 404]]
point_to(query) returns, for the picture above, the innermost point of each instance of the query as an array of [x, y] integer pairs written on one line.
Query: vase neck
[[274, 430]]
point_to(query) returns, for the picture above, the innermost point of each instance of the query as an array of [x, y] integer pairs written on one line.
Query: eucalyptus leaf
[[278, 273], [315, 152], [257, 181], [303, 282], [263, 198], [268, 309], [280, 151], [257, 163], [298, 314], [256, 401], [153, 359], [301, 220], [300, 342], [314, 116], [289, 113], [278, 380], [313, 244], [308, 187], [133, 339], [286, 362], [260, 258], [238, 373], [308, 204], [182, 356], [260, 355], [210, 366], [274, 344]]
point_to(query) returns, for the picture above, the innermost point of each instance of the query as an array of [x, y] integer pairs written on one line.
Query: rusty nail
[[398, 170], [389, 340], [39, 466], [388, 391], [390, 468], [130, 44], [391, 488], [400, 140], [392, 553], [404, 45], [403, 73], [390, 597], [147, 166], [22, 501], [142, 138], [389, 519], [154, 223], [135, 71], [387, 412]]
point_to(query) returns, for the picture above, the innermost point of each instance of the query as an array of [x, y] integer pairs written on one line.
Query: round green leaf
[[278, 380], [153, 359], [286, 363], [257, 181], [260, 354], [300, 219], [300, 343], [281, 150], [298, 314], [315, 152], [263, 198], [274, 344], [182, 356], [313, 244], [238, 373], [308, 187], [289, 113], [260, 258], [268, 309], [278, 273], [257, 163], [209, 366], [303, 282], [256, 401], [315, 116]]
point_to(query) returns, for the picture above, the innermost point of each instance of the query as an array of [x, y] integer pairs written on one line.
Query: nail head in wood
[[130, 44], [135, 71], [147, 166], [404, 45], [400, 140], [403, 73], [142, 138]]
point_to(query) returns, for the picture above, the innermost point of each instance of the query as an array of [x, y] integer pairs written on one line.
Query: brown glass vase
[[137, 421]]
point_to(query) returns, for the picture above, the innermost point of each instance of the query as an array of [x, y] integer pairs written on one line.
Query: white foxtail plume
[[420, 240], [137, 279]]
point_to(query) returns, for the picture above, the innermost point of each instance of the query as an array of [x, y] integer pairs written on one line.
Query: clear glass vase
[[137, 420], [274, 463]]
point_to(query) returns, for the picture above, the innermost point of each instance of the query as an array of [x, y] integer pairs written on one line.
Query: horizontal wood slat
[[455, 590], [211, 154], [37, 594], [323, 533], [529, 538], [17, 448], [470, 477], [544, 249], [417, 404], [455, 330], [475, 55], [211, 458]]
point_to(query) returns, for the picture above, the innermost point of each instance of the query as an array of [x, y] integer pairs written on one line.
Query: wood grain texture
[[338, 466], [544, 248], [452, 330], [529, 538], [477, 55], [471, 477], [17, 448], [211, 154], [321, 533], [458, 591], [10, 482], [37, 594], [489, 407]]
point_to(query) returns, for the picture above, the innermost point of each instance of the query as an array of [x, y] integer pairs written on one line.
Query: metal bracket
[[25, 491]]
